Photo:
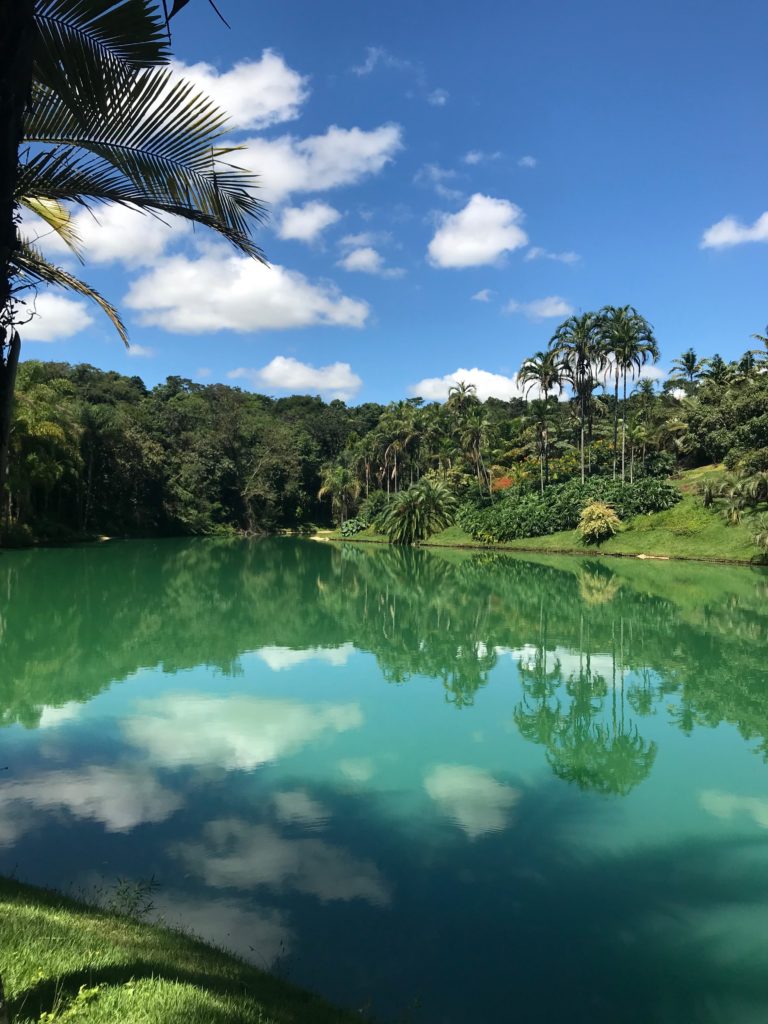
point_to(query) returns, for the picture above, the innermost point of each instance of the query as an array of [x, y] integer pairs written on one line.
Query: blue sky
[[444, 188]]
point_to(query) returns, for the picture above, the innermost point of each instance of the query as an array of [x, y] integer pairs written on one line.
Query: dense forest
[[94, 452]]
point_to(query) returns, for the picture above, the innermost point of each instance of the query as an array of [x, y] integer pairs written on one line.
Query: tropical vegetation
[[95, 452]]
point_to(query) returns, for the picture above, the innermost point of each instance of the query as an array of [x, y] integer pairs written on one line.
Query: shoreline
[[579, 553]]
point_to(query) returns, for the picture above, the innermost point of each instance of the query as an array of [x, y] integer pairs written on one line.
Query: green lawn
[[686, 531], [63, 961]]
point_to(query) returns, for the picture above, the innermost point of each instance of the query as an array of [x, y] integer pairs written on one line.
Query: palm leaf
[[84, 48], [56, 216], [159, 134], [31, 267]]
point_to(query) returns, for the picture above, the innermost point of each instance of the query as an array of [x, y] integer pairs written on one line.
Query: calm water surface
[[442, 787]]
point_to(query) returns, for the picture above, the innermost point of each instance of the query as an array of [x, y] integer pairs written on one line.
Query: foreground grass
[[63, 961], [686, 531]]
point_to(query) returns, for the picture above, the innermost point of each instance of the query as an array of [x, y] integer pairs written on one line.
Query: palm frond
[[84, 48], [57, 217], [31, 267], [160, 135]]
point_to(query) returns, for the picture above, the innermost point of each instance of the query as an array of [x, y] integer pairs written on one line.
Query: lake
[[437, 786]]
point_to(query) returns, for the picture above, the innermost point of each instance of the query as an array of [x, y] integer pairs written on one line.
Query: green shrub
[[516, 516], [597, 522], [413, 515], [352, 526]]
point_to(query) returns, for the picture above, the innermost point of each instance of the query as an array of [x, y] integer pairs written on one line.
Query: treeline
[[96, 452]]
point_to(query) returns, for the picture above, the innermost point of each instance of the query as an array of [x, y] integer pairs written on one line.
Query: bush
[[415, 514], [352, 526], [372, 506], [597, 522], [532, 515]]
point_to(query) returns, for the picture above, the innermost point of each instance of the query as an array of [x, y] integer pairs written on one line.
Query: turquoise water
[[436, 786]]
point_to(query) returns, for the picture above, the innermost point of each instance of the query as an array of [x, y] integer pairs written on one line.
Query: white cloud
[[119, 799], [364, 238], [306, 223], [234, 732], [729, 231], [368, 261], [484, 295], [357, 769], [726, 805], [203, 372], [438, 97], [296, 807], [279, 658], [261, 936], [477, 156], [223, 291], [255, 93], [55, 318], [237, 854], [489, 385], [51, 717], [541, 309], [336, 380], [479, 234], [527, 161], [342, 156], [471, 798], [537, 253], [140, 351], [115, 234]]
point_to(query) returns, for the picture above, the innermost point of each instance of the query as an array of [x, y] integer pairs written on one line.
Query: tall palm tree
[[629, 344], [103, 122], [577, 344], [687, 368], [462, 396], [544, 371], [341, 485]]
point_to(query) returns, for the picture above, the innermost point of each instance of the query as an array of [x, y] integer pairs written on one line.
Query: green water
[[437, 786]]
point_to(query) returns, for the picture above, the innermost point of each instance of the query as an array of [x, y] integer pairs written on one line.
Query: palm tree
[[577, 344], [341, 485], [629, 344], [687, 368], [717, 371], [545, 372], [104, 123], [415, 514], [462, 396]]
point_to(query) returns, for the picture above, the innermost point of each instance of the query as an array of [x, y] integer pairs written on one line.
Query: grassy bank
[[77, 963], [686, 531]]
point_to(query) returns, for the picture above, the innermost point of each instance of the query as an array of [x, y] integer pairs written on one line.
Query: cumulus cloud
[[726, 805], [238, 854], [220, 290], [120, 799], [234, 732], [471, 798], [115, 234], [527, 161], [336, 380], [306, 223], [479, 234], [489, 385], [729, 231], [255, 93], [140, 351], [341, 156], [368, 260], [280, 658], [541, 309], [55, 318], [484, 295], [296, 807], [438, 97], [261, 936], [536, 252]]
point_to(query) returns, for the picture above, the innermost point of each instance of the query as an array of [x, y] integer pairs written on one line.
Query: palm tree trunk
[[624, 426], [17, 26], [615, 422], [581, 439]]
